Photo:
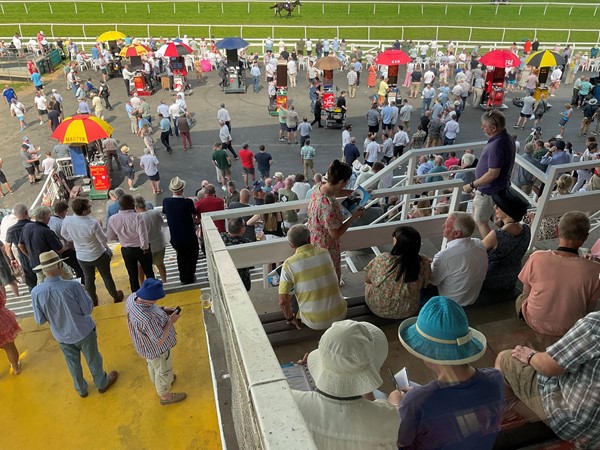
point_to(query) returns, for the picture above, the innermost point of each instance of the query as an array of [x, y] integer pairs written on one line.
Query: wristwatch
[[533, 352], [472, 184]]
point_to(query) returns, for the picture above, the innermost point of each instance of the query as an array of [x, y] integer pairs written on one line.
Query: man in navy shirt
[[492, 173], [351, 152], [181, 213], [264, 160]]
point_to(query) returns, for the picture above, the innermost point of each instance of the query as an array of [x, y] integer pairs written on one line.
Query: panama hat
[[176, 184], [125, 149], [511, 203], [48, 259], [441, 334], [343, 365], [152, 289], [592, 102], [278, 175]]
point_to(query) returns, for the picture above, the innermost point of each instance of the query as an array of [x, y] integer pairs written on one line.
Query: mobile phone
[[393, 378], [177, 310]]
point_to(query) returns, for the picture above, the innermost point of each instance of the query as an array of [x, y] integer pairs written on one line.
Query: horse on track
[[288, 6]]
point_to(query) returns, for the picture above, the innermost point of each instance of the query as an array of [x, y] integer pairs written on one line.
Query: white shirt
[[556, 74], [163, 109], [150, 164], [175, 110], [40, 102], [428, 77], [48, 164], [291, 67], [345, 138], [350, 425], [87, 236], [459, 270], [136, 102], [401, 138], [223, 114], [372, 151]]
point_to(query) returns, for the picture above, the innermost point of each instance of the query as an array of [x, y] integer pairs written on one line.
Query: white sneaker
[[559, 136], [224, 188]]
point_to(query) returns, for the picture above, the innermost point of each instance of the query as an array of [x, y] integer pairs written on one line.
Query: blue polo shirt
[[36, 78]]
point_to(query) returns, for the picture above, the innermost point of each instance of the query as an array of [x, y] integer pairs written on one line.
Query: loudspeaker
[[232, 57]]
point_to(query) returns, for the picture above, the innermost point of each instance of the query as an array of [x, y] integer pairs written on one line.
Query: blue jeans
[[255, 82], [426, 104], [89, 347]]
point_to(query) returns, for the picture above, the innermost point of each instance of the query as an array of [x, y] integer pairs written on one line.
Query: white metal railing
[[403, 32]]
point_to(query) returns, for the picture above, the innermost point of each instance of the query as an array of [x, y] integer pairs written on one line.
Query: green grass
[[68, 23]]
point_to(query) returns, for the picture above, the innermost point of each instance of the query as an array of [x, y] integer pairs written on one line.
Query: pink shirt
[[129, 228], [563, 290], [596, 249]]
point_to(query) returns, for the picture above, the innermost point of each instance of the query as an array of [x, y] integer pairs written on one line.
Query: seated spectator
[[394, 280], [507, 245], [559, 286], [345, 369], [310, 272], [234, 236], [272, 222], [421, 209], [452, 161], [459, 270], [462, 408], [438, 167], [560, 385]]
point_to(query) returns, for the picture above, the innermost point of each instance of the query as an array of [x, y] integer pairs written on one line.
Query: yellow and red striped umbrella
[[82, 129], [134, 50]]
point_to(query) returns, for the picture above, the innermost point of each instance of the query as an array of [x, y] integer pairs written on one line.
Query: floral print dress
[[393, 299], [324, 214]]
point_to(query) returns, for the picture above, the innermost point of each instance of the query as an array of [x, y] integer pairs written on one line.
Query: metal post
[[422, 9], [571, 10], [398, 8], [242, 31], [52, 30], [148, 5], [374, 8], [437, 33], [520, 8], [148, 30], [470, 9], [102, 7], [27, 11], [369, 33], [323, 8], [569, 36], [348, 8], [174, 10], [595, 11], [402, 35], [222, 10], [178, 30], [446, 10], [2, 6], [198, 7], [83, 31], [545, 9], [497, 6], [503, 33], [125, 4], [248, 7], [50, 7]]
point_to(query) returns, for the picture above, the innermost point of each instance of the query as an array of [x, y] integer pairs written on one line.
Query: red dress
[[9, 328]]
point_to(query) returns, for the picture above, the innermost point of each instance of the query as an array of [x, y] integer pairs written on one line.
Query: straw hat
[[176, 184], [48, 259], [343, 365], [441, 334]]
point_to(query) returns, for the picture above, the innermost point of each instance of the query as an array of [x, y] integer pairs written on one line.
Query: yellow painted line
[[41, 409]]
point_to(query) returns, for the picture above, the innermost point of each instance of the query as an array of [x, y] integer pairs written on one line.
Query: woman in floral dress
[[9, 328], [394, 280], [325, 220]]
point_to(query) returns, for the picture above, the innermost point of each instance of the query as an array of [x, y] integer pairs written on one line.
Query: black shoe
[[84, 395]]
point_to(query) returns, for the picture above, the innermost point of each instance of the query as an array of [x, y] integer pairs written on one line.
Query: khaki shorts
[[158, 257], [522, 379], [483, 207]]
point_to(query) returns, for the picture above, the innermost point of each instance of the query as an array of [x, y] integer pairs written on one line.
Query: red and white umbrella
[[392, 58], [174, 49], [500, 58]]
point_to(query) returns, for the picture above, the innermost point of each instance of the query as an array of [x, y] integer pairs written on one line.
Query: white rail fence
[[468, 34]]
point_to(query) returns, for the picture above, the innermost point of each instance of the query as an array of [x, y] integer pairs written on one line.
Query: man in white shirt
[[346, 138], [223, 114], [451, 130], [292, 70], [127, 78], [372, 150], [42, 107], [174, 112], [555, 81], [400, 141], [91, 247], [458, 271]]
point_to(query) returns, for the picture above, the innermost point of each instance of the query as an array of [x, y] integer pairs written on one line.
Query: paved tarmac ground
[[250, 123]]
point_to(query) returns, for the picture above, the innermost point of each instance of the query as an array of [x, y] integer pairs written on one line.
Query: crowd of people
[[560, 287]]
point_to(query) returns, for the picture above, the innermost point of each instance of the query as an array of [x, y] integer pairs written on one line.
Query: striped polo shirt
[[310, 272], [146, 324]]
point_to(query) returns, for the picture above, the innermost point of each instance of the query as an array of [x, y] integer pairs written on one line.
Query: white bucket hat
[[344, 364]]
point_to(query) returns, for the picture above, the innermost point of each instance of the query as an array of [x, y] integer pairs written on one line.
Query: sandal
[[176, 397]]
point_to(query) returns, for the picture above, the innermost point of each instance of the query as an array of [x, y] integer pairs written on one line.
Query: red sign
[[100, 177], [328, 101]]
